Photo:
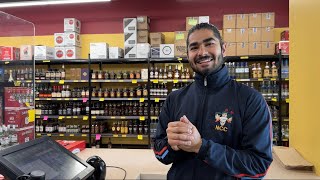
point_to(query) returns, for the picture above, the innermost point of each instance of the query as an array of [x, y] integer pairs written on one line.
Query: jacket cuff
[[203, 150]]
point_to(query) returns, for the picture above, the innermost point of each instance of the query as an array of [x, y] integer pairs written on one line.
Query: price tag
[[84, 100], [61, 82], [75, 117], [129, 99], [274, 99], [120, 81], [28, 81], [260, 79], [52, 81], [75, 99], [94, 117], [31, 114], [122, 117], [61, 134], [142, 118], [38, 81], [156, 81], [37, 99], [45, 118], [17, 83], [48, 99], [140, 137], [46, 61], [273, 79], [37, 116], [27, 104], [101, 99], [94, 80], [67, 99], [286, 79], [84, 135], [75, 80], [38, 134], [85, 118], [68, 117], [134, 81], [141, 99], [123, 135], [108, 80], [244, 57], [184, 80], [287, 100], [98, 137], [180, 36], [71, 135], [115, 135], [48, 134], [156, 99], [175, 81], [7, 62], [60, 117], [59, 99], [113, 117]]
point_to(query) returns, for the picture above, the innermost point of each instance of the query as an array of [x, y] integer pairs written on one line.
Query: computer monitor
[[46, 155]]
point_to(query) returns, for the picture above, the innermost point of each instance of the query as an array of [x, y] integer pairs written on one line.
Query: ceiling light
[[49, 2]]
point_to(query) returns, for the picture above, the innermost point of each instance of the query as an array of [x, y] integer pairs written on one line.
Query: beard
[[214, 67]]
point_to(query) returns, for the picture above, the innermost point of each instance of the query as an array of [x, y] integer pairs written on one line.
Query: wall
[[304, 79]]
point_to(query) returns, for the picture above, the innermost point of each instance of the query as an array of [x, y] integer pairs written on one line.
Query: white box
[[204, 19], [59, 53], [155, 52], [143, 50], [144, 73], [129, 25], [99, 50], [130, 51], [59, 39], [115, 52], [166, 50], [43, 52], [26, 52], [72, 39], [73, 52], [72, 25], [130, 38]]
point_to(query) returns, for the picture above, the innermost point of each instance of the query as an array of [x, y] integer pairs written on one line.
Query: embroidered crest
[[223, 118]]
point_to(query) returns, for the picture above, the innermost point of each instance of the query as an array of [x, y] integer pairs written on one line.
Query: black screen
[[48, 158]]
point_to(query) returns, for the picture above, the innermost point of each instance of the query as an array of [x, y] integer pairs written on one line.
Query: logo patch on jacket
[[223, 118]]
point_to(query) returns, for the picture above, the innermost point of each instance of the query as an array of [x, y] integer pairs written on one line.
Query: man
[[214, 128]]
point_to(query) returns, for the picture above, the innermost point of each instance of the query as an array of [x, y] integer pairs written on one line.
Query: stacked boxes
[[68, 44], [130, 37], [25, 52], [180, 45], [143, 46], [249, 34], [156, 39], [192, 21]]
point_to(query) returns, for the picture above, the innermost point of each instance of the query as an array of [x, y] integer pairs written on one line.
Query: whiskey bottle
[[151, 73], [183, 75], [165, 74], [145, 91], [170, 73], [266, 71], [259, 71], [176, 73], [63, 73], [187, 73], [274, 70]]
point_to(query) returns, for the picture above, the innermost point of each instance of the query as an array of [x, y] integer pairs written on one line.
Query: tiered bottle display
[[50, 74], [101, 74], [242, 70], [170, 73]]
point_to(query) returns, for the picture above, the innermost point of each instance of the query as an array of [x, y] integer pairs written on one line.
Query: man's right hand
[[178, 134]]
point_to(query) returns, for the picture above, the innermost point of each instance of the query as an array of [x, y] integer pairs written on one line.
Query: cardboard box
[[72, 25], [84, 74], [25, 134], [255, 48], [255, 20], [74, 74], [17, 116], [72, 39], [254, 34], [285, 35], [73, 52], [59, 53], [130, 51], [99, 50], [166, 50], [180, 48], [229, 21], [284, 46], [231, 49], [156, 39], [130, 38], [143, 23], [242, 21], [10, 94], [143, 50], [191, 21], [26, 52], [155, 52], [73, 146], [229, 35], [115, 52], [59, 39], [242, 49], [267, 48], [180, 35], [143, 36], [43, 52], [204, 19], [242, 35], [268, 19], [267, 34], [10, 53], [144, 73], [130, 25]]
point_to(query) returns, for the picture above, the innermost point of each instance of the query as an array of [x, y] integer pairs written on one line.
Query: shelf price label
[[52, 81], [122, 117], [71, 135], [94, 117], [120, 81], [156, 81], [274, 99], [101, 99], [287, 100], [94, 80], [46, 61], [37, 99], [244, 57], [140, 137], [179, 59], [175, 81], [38, 134], [260, 79], [141, 99], [134, 81], [273, 79], [113, 117], [59, 99], [67, 99], [129, 99], [184, 80], [17, 83], [123, 135], [85, 118], [115, 135], [61, 134], [45, 118], [84, 135], [48, 134], [60, 117], [61, 82], [84, 100], [7, 62], [75, 80], [68, 117], [156, 99], [142, 118], [27, 104], [31, 114], [98, 137]]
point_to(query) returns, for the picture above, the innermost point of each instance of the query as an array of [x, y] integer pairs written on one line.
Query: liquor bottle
[[151, 73], [63, 73], [58, 74], [246, 70], [274, 70], [254, 71], [145, 91], [170, 73], [131, 75], [138, 74], [176, 73], [94, 75], [160, 73], [139, 90], [259, 71], [266, 71], [187, 73], [183, 75], [165, 74], [52, 74], [156, 73]]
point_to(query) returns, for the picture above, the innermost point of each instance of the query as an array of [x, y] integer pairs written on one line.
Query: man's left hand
[[196, 141]]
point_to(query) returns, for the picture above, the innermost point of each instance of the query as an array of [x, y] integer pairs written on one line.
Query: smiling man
[[215, 128]]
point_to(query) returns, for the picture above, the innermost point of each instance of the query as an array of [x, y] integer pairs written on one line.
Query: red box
[[284, 46], [25, 134], [10, 94], [10, 53], [285, 35], [73, 146], [17, 116]]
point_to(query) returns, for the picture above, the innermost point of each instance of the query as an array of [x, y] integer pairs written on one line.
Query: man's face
[[204, 52]]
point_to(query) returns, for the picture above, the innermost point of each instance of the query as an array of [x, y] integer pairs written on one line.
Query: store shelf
[[61, 117], [61, 99], [157, 99], [61, 81], [275, 120], [17, 62], [252, 58], [285, 79], [257, 79], [155, 81], [119, 61], [169, 60], [133, 81], [62, 61], [142, 118], [122, 135], [120, 99], [286, 120], [62, 134], [285, 140]]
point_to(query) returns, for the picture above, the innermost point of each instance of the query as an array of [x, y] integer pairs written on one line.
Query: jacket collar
[[214, 80]]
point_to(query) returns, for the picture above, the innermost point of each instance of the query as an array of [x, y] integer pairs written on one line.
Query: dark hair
[[208, 26]]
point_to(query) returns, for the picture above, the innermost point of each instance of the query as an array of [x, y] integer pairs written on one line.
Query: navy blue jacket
[[235, 125]]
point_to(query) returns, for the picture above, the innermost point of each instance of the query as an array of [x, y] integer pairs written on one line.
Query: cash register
[[44, 158]]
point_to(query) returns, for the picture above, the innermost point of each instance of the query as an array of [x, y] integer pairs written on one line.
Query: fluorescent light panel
[[49, 2]]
